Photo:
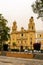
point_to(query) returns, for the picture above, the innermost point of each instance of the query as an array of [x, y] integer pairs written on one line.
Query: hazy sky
[[21, 11]]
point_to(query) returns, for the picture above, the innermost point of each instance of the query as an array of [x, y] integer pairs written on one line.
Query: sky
[[19, 11]]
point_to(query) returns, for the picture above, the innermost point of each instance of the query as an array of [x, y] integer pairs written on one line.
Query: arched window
[[32, 27], [22, 34]]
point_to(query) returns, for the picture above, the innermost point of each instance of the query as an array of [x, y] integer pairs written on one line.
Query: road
[[19, 61]]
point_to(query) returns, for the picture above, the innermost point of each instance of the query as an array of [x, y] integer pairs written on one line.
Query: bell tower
[[14, 27], [32, 34], [31, 25]]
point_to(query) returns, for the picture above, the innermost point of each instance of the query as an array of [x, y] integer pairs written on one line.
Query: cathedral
[[25, 38]]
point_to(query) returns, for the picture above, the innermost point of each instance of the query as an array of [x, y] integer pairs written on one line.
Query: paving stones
[[19, 61]]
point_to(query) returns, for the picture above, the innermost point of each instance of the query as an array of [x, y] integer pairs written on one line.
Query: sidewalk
[[22, 55]]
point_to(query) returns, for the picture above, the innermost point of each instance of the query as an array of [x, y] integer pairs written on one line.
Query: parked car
[[25, 50]]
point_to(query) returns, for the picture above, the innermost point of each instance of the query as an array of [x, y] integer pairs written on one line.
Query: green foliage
[[5, 47], [4, 29], [14, 44], [37, 46], [38, 8]]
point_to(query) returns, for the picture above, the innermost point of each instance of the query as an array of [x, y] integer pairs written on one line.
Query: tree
[[37, 46], [5, 47], [38, 8], [4, 30]]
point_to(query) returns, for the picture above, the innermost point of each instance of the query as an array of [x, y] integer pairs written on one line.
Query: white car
[[26, 50]]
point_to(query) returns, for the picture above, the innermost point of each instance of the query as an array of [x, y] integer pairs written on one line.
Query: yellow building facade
[[39, 38], [24, 38]]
